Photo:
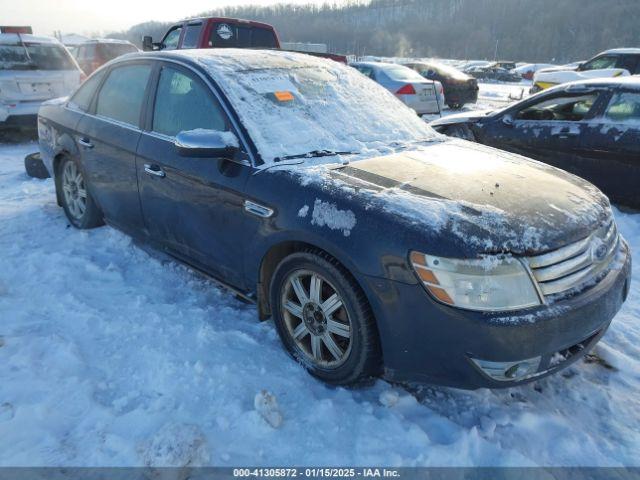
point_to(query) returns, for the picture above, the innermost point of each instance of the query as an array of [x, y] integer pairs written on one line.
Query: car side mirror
[[147, 43], [508, 120], [207, 143]]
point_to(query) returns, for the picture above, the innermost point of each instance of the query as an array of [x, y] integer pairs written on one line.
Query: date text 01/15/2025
[[315, 472]]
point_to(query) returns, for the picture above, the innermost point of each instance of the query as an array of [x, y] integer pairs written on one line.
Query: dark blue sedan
[[589, 128], [378, 246]]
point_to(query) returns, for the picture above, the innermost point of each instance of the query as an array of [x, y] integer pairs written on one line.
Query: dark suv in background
[[93, 54], [459, 88]]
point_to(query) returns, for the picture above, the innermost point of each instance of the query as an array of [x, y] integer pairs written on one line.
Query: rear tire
[[77, 202], [461, 131], [324, 319]]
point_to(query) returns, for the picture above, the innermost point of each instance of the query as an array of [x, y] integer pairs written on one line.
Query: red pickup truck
[[220, 32]]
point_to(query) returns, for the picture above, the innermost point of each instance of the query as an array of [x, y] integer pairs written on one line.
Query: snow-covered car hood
[[470, 116], [548, 78], [495, 200]]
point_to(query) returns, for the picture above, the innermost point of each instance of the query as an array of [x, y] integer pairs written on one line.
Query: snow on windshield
[[293, 104]]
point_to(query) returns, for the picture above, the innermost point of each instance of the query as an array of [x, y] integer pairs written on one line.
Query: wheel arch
[[57, 161], [279, 251]]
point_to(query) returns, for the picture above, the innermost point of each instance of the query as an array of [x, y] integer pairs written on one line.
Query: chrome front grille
[[576, 264]]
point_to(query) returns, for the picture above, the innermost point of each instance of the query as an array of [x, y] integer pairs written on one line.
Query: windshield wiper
[[314, 154]]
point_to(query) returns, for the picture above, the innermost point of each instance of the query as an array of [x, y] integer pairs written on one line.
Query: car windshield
[[293, 104], [35, 56]]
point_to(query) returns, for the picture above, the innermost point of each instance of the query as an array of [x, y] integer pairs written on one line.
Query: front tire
[[77, 202], [324, 319]]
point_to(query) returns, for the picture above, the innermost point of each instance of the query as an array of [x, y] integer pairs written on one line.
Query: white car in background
[[422, 95], [528, 70], [33, 69], [611, 63]]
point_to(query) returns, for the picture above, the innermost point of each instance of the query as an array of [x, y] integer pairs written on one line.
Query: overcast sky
[[103, 16]]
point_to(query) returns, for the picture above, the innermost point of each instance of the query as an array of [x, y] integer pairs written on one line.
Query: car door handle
[[85, 142], [154, 170]]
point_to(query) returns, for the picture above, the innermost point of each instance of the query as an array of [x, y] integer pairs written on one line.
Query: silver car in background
[[424, 96], [32, 69]]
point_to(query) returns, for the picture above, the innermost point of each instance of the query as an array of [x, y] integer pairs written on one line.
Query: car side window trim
[[235, 126], [72, 106], [153, 96], [143, 109], [593, 112]]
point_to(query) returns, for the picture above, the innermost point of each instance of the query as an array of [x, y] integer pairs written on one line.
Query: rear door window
[[191, 35], [263, 38], [570, 108], [123, 92], [630, 63], [171, 39], [183, 103], [82, 98], [624, 107]]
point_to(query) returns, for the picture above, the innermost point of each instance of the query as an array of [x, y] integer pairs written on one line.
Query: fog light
[[508, 371]]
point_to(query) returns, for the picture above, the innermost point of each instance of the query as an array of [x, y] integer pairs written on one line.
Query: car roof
[[233, 59], [225, 19], [631, 82], [17, 39], [622, 51]]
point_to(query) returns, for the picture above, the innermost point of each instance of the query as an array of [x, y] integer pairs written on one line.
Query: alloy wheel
[[74, 190], [316, 319]]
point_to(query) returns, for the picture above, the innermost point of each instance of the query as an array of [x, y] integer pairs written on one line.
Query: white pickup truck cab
[[32, 69]]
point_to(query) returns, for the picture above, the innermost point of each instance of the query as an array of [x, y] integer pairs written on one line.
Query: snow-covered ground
[[113, 355], [491, 96]]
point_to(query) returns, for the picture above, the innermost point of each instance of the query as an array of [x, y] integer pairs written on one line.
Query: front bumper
[[427, 342]]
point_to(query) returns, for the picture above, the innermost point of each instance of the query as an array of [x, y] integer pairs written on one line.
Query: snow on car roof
[[15, 39], [623, 51], [628, 81]]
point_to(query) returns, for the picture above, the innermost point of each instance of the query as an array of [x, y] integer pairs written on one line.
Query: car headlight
[[494, 283]]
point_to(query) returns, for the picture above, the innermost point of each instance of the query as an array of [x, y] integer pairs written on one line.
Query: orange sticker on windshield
[[283, 96]]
